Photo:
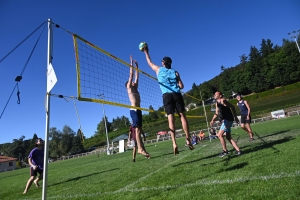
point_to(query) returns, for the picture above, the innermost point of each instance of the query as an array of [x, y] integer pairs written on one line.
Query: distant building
[[7, 163]]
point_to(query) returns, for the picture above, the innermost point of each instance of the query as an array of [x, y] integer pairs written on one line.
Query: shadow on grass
[[80, 177], [268, 145], [255, 148], [234, 167], [272, 134]]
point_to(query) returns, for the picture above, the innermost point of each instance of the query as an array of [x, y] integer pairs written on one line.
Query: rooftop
[[6, 159]]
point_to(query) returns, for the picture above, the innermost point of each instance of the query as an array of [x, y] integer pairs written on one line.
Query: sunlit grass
[[269, 168]]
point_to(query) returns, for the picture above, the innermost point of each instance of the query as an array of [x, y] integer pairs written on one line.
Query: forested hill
[[263, 69]]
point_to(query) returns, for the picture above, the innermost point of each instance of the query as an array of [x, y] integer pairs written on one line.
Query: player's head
[[39, 142], [218, 95], [239, 97], [167, 62]]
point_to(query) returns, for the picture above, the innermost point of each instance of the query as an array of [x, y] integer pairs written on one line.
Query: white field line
[[197, 183], [126, 188]]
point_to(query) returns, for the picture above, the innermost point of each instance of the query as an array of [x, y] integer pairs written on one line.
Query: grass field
[[269, 168]]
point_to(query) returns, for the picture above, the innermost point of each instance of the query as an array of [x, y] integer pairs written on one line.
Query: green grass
[[268, 169]]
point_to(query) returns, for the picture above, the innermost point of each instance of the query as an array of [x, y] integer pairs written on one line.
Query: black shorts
[[34, 172], [244, 119], [173, 102]]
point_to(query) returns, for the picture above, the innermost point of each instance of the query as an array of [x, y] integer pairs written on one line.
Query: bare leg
[[140, 144], [171, 120], [247, 128], [138, 139], [185, 125], [220, 136], [133, 154], [229, 138], [36, 181], [29, 182]]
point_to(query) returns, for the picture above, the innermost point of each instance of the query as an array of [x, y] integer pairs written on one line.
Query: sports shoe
[[224, 153], [251, 139], [238, 153]]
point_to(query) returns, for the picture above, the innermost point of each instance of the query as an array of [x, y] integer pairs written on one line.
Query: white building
[[7, 163]]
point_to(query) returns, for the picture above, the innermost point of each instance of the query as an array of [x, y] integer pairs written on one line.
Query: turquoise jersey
[[167, 80]]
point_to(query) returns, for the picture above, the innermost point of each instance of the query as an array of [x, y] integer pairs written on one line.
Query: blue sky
[[200, 36]]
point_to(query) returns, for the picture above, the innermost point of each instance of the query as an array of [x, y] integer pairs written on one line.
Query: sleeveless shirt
[[224, 112], [167, 80]]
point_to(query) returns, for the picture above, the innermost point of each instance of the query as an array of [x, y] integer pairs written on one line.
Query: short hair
[[126, 83], [38, 140], [168, 61], [221, 94]]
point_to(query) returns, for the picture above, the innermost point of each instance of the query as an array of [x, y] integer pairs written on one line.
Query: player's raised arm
[[130, 73], [136, 81], [153, 66]]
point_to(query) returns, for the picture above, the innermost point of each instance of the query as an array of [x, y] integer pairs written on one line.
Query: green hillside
[[261, 104]]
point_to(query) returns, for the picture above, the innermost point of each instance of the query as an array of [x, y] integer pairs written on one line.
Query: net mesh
[[101, 78]]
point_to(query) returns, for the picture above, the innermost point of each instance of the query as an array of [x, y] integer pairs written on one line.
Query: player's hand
[[136, 64], [131, 59], [34, 167], [211, 123], [146, 49]]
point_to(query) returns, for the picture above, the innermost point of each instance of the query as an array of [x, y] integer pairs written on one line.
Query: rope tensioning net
[[101, 78]]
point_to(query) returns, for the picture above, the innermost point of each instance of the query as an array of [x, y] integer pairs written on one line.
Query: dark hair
[[38, 140], [168, 61], [126, 83], [221, 94]]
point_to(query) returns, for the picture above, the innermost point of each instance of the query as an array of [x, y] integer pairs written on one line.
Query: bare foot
[[36, 184], [176, 150], [147, 155], [188, 142]]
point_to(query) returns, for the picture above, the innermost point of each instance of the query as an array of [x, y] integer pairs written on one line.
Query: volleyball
[[142, 45]]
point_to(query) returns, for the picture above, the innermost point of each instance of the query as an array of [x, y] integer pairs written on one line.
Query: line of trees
[[60, 143], [263, 69]]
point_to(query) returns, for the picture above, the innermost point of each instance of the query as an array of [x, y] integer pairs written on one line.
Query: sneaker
[[251, 139], [133, 160], [238, 153], [224, 153]]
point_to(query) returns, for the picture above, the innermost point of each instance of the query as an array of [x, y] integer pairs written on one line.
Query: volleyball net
[[101, 78]]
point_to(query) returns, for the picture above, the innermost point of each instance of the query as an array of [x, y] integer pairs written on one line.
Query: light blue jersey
[[167, 80]]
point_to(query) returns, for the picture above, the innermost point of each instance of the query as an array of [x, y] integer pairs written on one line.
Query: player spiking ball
[[170, 84]]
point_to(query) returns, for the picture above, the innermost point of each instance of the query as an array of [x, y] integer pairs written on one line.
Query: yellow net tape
[[101, 78]]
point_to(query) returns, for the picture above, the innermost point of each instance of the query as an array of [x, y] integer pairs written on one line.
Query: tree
[[152, 115], [77, 143], [55, 138], [101, 126], [66, 140]]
